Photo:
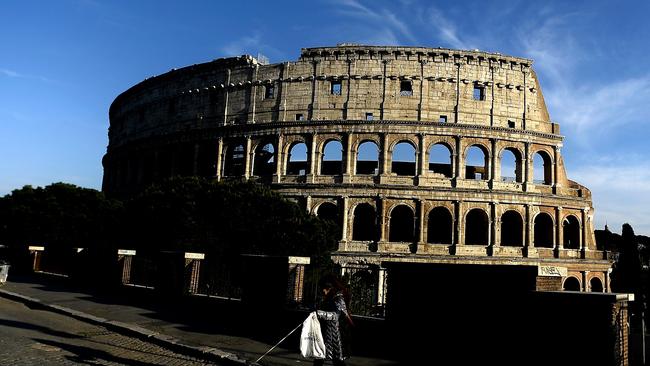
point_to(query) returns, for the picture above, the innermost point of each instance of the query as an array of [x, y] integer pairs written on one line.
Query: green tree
[[195, 214], [58, 215]]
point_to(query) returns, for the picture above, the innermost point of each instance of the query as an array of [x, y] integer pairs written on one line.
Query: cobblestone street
[[35, 337]]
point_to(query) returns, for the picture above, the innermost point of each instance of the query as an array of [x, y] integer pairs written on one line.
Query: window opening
[[405, 88], [268, 91], [479, 92], [335, 88]]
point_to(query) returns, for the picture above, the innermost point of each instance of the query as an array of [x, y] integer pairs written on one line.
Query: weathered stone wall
[[216, 119]]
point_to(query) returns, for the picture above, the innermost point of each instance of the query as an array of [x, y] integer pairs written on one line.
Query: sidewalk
[[215, 329]]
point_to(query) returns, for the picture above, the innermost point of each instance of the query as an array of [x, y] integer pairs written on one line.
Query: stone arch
[[367, 158], [512, 229], [543, 231], [477, 155], [235, 161], [571, 232], [329, 211], [477, 225], [298, 159], [265, 160], [440, 226], [511, 165], [402, 224], [364, 224], [440, 159], [571, 284], [595, 285], [542, 168], [332, 158], [403, 158]]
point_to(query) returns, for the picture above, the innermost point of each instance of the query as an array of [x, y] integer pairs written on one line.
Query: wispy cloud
[[595, 110], [17, 75], [252, 45], [621, 193], [446, 30], [383, 21]]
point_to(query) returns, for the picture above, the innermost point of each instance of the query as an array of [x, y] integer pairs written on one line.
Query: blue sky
[[63, 62]]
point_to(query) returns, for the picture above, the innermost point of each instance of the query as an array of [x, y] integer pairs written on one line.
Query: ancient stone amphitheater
[[421, 155]]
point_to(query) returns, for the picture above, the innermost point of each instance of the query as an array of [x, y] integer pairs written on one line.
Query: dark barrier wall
[[491, 315]]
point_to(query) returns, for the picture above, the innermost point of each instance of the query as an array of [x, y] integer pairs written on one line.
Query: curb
[[209, 353]]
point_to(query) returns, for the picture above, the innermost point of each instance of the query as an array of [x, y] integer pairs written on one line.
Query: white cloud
[[17, 75], [621, 193], [593, 110], [446, 30], [382, 21], [242, 45]]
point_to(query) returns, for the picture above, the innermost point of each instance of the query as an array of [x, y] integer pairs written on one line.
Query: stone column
[[460, 237], [279, 160], [458, 166], [422, 152], [556, 169], [382, 275], [345, 218], [350, 156], [384, 160], [583, 233], [313, 159], [254, 92], [248, 155], [494, 234], [219, 159], [420, 211], [526, 165], [381, 203], [296, 278], [493, 169], [559, 231]]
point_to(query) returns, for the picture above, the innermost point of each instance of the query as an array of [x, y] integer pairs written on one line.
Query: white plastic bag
[[312, 344]]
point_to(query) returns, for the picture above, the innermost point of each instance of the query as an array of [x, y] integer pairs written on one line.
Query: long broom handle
[[277, 344]]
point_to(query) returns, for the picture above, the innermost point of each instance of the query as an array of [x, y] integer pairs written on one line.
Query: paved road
[[36, 337]]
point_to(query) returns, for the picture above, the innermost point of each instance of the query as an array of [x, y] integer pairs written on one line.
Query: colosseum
[[426, 156]]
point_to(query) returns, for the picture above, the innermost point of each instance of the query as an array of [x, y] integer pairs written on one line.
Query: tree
[[196, 214], [59, 215]]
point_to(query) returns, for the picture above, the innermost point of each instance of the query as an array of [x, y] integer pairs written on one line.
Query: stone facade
[[381, 140]]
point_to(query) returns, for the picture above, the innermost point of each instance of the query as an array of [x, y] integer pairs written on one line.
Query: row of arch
[[403, 156], [572, 283], [402, 226]]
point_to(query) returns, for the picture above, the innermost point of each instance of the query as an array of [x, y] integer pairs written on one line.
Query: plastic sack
[[312, 344]]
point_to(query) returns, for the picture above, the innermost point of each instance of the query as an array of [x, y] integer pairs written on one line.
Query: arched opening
[[297, 162], [596, 284], [332, 161], [402, 224], [476, 227], [403, 160], [328, 211], [476, 162], [207, 159], [264, 163], [440, 159], [571, 229], [235, 161], [542, 168], [511, 229], [368, 158], [511, 166], [364, 226], [571, 284], [543, 231], [439, 227]]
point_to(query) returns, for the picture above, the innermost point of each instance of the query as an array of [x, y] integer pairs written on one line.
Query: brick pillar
[[36, 253], [192, 272], [125, 258], [296, 278]]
